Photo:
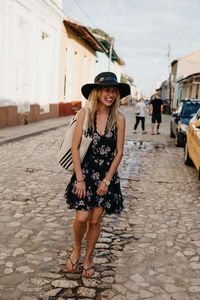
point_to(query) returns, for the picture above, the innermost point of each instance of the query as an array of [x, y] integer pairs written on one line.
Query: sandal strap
[[73, 264], [87, 269]]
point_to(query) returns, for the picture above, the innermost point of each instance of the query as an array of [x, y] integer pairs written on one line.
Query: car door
[[195, 141], [175, 119]]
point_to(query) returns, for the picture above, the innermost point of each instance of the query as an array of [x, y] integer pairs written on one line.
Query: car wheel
[[187, 158], [171, 132], [177, 141]]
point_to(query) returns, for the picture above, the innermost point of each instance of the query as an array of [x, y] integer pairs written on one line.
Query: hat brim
[[124, 88]]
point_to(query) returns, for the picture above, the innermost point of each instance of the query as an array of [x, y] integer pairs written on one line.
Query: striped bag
[[65, 154]]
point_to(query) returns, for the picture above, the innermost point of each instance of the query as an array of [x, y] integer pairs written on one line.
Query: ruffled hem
[[108, 211]]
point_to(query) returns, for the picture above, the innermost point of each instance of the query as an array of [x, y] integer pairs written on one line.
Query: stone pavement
[[150, 251], [16, 133]]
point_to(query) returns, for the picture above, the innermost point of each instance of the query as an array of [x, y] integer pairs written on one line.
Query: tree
[[123, 79], [101, 33]]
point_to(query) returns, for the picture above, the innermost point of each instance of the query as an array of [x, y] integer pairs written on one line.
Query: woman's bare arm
[[76, 140]]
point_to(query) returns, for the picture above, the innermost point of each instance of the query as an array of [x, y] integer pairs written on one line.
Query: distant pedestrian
[[140, 115], [95, 185], [156, 108]]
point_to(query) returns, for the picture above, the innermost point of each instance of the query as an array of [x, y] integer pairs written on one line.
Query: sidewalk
[[15, 133]]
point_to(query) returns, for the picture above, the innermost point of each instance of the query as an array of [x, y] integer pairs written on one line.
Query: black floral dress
[[95, 167]]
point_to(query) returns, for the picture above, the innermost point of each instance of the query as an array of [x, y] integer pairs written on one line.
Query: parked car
[[192, 145], [166, 107], [181, 118]]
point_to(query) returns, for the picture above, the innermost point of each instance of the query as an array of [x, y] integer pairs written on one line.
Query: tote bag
[[65, 154]]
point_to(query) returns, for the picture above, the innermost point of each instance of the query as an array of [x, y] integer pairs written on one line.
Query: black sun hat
[[106, 79]]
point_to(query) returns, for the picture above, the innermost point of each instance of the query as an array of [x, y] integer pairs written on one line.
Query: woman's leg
[[137, 122], [92, 237], [143, 123], [80, 226]]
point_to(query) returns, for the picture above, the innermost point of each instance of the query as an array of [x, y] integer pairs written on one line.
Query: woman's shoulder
[[81, 114], [120, 118]]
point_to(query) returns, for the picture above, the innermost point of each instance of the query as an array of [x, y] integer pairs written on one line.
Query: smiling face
[[107, 95]]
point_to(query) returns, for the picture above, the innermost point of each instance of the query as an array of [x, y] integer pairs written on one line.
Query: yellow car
[[192, 145]]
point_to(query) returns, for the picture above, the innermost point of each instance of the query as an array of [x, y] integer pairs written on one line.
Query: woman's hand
[[102, 189], [81, 189]]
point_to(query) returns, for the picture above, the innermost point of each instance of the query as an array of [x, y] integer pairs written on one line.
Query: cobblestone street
[[150, 251]]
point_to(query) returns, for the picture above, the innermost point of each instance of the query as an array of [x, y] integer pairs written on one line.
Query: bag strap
[[85, 123]]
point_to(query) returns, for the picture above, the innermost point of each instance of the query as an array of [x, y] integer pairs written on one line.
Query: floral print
[[95, 167]]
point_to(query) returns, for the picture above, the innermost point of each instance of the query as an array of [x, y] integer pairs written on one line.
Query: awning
[[86, 35], [114, 56]]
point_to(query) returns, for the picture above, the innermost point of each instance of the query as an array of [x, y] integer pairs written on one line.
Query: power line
[[93, 24]]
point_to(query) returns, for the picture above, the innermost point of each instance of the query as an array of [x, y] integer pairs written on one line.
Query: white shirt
[[141, 106]]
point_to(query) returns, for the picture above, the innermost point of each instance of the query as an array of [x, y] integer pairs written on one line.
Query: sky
[[149, 34]]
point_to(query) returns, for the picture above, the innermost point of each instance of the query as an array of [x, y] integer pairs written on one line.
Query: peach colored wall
[[188, 64], [83, 60], [3, 116], [65, 109], [9, 115]]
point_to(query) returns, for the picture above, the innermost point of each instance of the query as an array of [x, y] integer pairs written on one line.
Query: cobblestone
[[150, 251]]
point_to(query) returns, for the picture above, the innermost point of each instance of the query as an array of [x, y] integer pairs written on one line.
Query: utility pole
[[110, 53], [170, 84]]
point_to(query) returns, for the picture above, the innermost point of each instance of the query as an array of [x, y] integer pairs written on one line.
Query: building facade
[[181, 68], [29, 55], [77, 59], [189, 87]]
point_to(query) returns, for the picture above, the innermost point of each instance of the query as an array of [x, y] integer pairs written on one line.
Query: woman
[[140, 108], [95, 186]]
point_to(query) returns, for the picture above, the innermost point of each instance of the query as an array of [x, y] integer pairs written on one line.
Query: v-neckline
[[105, 129]]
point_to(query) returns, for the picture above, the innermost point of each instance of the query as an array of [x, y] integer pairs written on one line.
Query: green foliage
[[123, 79], [100, 32]]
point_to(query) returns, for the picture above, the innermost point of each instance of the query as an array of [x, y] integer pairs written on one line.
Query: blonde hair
[[93, 107]]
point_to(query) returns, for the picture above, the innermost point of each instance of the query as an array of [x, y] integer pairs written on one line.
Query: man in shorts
[[156, 107]]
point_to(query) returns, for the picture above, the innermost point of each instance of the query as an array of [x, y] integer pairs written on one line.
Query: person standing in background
[[156, 107], [140, 115]]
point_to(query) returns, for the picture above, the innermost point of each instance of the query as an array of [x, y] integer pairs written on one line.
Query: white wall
[[30, 35]]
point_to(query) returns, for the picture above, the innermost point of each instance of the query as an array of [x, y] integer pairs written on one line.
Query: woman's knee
[[94, 223], [95, 217], [81, 219]]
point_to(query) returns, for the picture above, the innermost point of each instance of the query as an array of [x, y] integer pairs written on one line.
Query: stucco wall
[[30, 52], [188, 64], [76, 63]]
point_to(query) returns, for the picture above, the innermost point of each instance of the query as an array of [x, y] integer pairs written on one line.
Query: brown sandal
[[74, 265], [86, 270]]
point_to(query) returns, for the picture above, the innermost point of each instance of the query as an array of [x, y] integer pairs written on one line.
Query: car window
[[189, 110]]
